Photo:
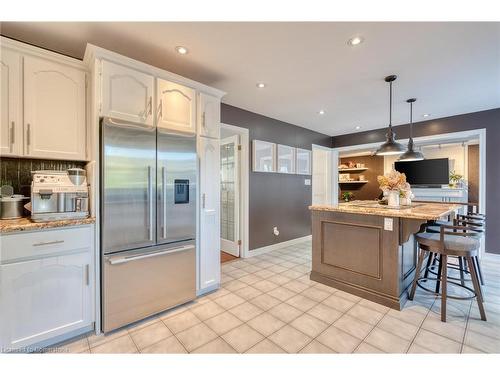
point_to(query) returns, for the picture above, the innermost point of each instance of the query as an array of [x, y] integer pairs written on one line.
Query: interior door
[[230, 195], [322, 171], [10, 127], [128, 186], [176, 187]]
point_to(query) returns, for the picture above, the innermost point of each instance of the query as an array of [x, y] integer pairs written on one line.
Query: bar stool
[[452, 240]]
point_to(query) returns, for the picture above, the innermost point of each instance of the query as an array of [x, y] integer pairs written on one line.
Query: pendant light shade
[[390, 146], [411, 154]]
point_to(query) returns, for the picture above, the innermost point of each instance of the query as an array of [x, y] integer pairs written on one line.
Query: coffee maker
[[59, 195]]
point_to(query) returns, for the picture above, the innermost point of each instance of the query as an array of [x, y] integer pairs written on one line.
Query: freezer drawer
[[141, 283]]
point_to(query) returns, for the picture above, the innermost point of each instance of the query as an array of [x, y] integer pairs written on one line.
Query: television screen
[[428, 172]]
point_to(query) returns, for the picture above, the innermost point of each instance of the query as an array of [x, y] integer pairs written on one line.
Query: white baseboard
[[276, 246]]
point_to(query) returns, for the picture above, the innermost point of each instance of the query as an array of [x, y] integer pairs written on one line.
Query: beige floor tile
[[265, 285], [470, 350], [417, 349], [285, 312], [292, 274], [326, 288], [166, 346], [451, 329], [484, 328], [123, 344], [279, 279], [296, 286], [365, 314], [207, 310], [246, 311], [217, 346], [242, 338], [398, 327], [248, 292], [277, 268], [338, 340], [315, 347], [265, 301], [223, 323], [77, 345], [348, 296], [237, 273], [142, 324], [229, 301], [309, 325], [353, 326], [307, 280], [484, 343], [365, 348], [338, 303], [436, 343], [218, 293], [290, 339], [325, 313], [302, 302], [408, 316], [315, 294], [225, 278], [196, 336], [373, 306], [251, 268], [264, 273], [95, 340], [387, 342], [250, 279], [182, 321], [234, 285], [282, 293], [266, 324], [151, 334], [265, 347]]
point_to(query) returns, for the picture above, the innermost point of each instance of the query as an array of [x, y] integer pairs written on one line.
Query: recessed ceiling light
[[354, 41], [357, 127], [181, 50], [261, 85], [321, 112], [426, 114]]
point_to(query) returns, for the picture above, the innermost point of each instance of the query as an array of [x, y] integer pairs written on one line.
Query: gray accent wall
[[489, 120], [276, 200]]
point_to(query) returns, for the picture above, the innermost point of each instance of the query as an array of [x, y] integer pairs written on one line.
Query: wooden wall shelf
[[352, 169]]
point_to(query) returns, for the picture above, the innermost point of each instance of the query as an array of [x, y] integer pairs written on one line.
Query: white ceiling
[[452, 68]]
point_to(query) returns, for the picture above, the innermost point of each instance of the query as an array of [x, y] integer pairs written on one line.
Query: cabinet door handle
[[203, 120], [203, 200], [87, 274], [28, 137], [161, 109], [12, 134], [150, 106], [48, 243]]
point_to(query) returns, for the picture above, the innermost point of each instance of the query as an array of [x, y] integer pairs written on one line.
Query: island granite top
[[418, 210], [25, 224]]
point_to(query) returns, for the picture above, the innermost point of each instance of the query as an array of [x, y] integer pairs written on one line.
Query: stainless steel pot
[[12, 207], [77, 176]]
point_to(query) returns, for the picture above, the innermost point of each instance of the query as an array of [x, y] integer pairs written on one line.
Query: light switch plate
[[388, 223], [307, 182]]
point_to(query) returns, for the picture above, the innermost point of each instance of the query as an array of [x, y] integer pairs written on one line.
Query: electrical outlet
[[388, 224], [276, 231], [307, 182]]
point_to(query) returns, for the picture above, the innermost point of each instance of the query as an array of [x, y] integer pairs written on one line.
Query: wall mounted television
[[429, 172]]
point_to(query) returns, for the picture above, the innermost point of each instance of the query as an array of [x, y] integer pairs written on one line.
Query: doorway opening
[[234, 192]]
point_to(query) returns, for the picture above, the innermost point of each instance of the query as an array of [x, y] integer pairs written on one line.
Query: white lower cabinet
[[209, 275], [48, 290]]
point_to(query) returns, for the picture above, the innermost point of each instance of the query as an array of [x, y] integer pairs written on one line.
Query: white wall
[[455, 152]]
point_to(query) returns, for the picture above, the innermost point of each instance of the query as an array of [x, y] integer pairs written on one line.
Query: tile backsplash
[[17, 172]]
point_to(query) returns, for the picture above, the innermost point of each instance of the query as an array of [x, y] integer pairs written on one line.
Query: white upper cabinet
[[209, 116], [127, 94], [176, 107], [11, 136], [54, 110]]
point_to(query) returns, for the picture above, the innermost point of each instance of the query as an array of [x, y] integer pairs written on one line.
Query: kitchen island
[[367, 249]]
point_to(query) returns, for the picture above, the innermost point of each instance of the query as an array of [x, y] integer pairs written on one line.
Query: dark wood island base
[[367, 252]]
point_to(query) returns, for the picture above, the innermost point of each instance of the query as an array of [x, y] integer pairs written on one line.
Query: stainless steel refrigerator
[[148, 221]]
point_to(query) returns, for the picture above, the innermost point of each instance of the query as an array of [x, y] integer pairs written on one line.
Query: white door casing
[[11, 101], [176, 107], [324, 176], [209, 275], [127, 94], [54, 110], [232, 245], [209, 116]]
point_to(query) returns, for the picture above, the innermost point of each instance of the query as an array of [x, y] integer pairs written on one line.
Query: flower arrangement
[[455, 179], [395, 186], [347, 196]]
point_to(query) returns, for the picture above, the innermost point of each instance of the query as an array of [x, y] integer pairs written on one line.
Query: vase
[[393, 198]]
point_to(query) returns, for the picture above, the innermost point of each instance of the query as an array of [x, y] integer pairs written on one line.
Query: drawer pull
[[150, 255], [48, 243]]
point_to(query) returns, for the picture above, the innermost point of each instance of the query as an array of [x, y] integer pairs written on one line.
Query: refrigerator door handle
[[164, 197], [149, 255], [150, 201]]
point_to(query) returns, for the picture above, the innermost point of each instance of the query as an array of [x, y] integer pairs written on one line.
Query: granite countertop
[[25, 224], [418, 210]]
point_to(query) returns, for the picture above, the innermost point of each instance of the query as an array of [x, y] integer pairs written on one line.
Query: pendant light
[[410, 154], [390, 146]]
